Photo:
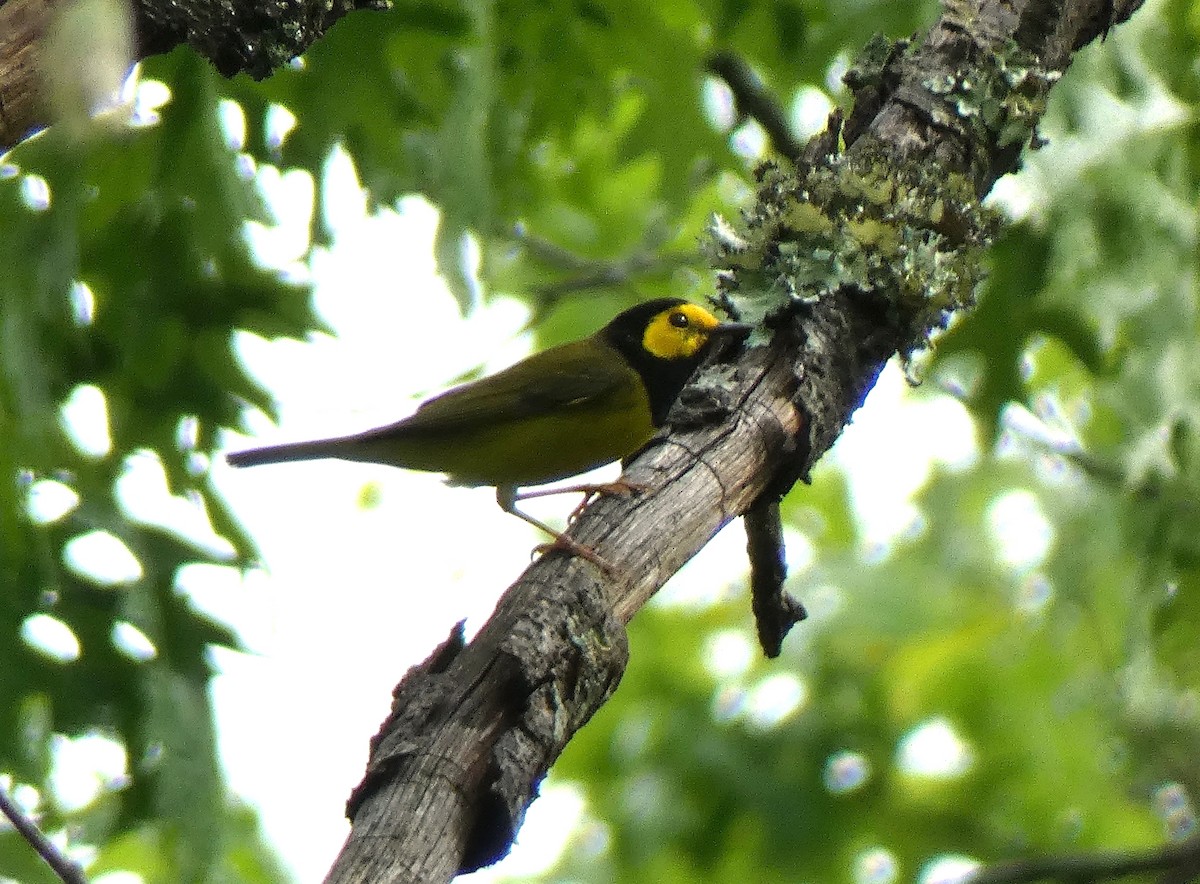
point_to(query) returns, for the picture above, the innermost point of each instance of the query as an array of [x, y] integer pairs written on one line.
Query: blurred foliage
[[572, 144], [1069, 677]]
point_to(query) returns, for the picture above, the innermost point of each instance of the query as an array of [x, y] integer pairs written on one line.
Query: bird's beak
[[735, 331]]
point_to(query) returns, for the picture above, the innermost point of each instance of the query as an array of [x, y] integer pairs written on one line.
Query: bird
[[553, 415]]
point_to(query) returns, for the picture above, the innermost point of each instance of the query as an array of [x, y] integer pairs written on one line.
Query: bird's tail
[[285, 453]]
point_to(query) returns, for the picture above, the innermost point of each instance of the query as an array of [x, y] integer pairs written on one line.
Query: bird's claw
[[617, 488], [565, 544]]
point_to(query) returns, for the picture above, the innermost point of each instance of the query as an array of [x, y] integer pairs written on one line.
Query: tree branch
[[1085, 868], [756, 101], [237, 37], [583, 274], [775, 610], [473, 731], [68, 871]]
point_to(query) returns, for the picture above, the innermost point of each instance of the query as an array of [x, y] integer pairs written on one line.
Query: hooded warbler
[[555, 414]]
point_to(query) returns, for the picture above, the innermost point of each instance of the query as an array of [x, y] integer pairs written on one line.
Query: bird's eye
[[679, 320]]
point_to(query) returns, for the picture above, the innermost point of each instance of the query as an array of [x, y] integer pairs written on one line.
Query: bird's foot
[[618, 488], [563, 543]]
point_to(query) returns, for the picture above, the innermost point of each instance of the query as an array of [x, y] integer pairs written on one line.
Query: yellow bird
[[555, 414]]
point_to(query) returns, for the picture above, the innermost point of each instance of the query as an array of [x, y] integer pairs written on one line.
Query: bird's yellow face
[[679, 332]]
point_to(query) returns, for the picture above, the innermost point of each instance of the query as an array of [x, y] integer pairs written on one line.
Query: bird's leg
[[507, 497], [589, 490], [616, 488]]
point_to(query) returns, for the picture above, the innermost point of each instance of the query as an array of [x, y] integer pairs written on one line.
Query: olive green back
[[558, 413]]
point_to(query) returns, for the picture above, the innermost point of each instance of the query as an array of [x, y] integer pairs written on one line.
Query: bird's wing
[[572, 375]]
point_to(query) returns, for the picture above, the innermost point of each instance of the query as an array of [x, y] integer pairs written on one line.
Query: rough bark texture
[[246, 36], [474, 729], [240, 36], [22, 23]]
